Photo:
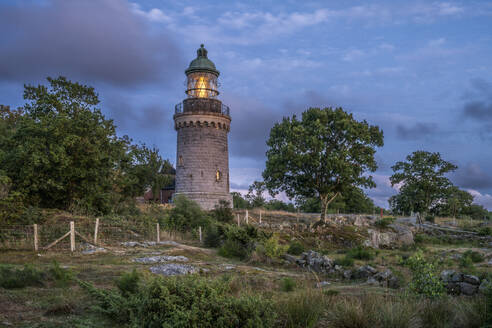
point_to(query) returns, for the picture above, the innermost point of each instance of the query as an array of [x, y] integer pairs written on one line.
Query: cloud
[[97, 40], [383, 190], [472, 176], [482, 199], [477, 106], [418, 131]]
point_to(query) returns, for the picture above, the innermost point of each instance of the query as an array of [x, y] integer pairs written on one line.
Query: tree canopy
[[322, 155], [59, 151], [422, 182]]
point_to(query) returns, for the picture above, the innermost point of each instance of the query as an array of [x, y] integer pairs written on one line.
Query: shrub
[[474, 256], [183, 302], [345, 261], [360, 253], [302, 309], [288, 284], [273, 249], [213, 236], [128, 283], [425, 281], [186, 215], [240, 241], [223, 212], [486, 231], [384, 222], [430, 218], [16, 278], [62, 277], [295, 248]]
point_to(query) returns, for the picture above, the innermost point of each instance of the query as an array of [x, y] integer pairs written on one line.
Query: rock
[[484, 286], [468, 289], [453, 288], [289, 258], [315, 262], [364, 272], [160, 259], [88, 249], [131, 244], [457, 277], [322, 284], [383, 276], [471, 279], [446, 275], [388, 239], [373, 282], [394, 282], [172, 269], [347, 274]]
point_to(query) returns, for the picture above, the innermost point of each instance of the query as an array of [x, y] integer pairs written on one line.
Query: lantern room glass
[[202, 85]]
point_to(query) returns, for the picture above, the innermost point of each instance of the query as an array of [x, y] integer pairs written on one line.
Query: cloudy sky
[[421, 70]]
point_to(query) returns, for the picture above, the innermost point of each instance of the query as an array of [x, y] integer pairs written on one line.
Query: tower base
[[206, 200]]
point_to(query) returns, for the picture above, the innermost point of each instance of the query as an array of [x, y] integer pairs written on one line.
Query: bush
[[288, 284], [474, 256], [345, 261], [240, 242], [11, 278], [128, 283], [384, 222], [295, 248], [430, 218], [186, 215], [62, 277], [272, 248], [486, 231], [183, 302], [303, 309], [360, 253], [425, 281], [213, 236], [223, 212]]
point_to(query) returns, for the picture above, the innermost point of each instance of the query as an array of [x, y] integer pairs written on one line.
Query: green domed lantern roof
[[201, 63]]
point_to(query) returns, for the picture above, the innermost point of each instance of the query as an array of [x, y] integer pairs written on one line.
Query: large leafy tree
[[422, 181], [354, 200], [59, 150], [322, 155]]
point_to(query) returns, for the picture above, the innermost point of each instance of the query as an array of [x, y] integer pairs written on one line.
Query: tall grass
[[301, 309]]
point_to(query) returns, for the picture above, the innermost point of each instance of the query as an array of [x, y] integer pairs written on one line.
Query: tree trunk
[[324, 205]]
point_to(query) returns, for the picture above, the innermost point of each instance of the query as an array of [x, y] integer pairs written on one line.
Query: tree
[[238, 201], [353, 200], [455, 202], [59, 151], [322, 155], [255, 194], [422, 182]]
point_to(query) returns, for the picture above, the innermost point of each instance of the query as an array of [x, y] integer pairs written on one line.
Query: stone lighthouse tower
[[202, 123]]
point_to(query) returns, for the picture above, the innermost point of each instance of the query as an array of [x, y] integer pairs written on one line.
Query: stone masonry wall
[[202, 149]]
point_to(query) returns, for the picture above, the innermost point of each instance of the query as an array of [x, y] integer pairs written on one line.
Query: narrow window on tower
[[180, 161], [218, 175]]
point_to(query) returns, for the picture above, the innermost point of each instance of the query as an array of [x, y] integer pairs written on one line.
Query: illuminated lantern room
[[202, 76]]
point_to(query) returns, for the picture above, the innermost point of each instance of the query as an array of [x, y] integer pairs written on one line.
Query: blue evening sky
[[421, 70]]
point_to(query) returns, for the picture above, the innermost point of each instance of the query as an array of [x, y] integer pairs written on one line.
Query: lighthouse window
[[218, 175], [180, 161], [202, 85]]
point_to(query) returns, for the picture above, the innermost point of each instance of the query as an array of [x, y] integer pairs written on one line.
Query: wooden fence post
[[260, 217], [200, 233], [247, 217], [158, 233], [72, 236], [36, 237], [96, 231], [238, 223]]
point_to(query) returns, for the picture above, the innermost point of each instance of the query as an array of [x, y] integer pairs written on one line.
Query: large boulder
[[364, 272], [316, 262], [471, 279], [468, 289], [401, 235], [173, 269]]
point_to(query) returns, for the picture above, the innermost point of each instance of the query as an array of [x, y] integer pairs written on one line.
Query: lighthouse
[[202, 124]]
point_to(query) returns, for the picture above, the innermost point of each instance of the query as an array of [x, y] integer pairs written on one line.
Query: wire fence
[[40, 237]]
